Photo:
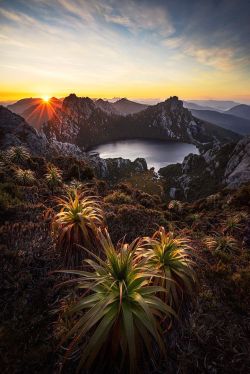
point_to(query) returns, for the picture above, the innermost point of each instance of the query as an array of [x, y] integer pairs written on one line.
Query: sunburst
[[46, 98]]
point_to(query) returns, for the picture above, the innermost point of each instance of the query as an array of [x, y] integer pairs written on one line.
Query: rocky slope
[[14, 130], [81, 121], [204, 174]]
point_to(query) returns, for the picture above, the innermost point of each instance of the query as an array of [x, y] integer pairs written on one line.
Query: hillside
[[21, 105], [211, 320], [227, 121], [241, 110]]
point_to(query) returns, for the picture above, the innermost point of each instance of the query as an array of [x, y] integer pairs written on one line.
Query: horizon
[[148, 101], [196, 50]]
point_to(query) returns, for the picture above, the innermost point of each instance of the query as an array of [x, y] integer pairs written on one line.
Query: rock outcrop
[[201, 175], [238, 168]]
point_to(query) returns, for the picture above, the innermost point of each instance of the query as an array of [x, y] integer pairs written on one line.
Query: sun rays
[[44, 110]]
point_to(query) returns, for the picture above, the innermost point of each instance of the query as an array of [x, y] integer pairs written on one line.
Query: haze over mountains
[[227, 121], [241, 110]]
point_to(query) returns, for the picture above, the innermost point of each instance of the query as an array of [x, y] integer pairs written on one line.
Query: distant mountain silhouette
[[125, 106], [35, 110], [227, 121], [241, 110], [21, 105], [190, 105], [219, 105]]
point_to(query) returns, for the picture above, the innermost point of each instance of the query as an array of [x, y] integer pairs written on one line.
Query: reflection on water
[[157, 153]]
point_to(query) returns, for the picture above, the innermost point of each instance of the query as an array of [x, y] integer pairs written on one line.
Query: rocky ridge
[[200, 175], [83, 122]]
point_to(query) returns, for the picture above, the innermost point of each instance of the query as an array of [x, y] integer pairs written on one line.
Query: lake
[[157, 153]]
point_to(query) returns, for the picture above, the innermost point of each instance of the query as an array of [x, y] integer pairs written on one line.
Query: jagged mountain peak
[[86, 122]]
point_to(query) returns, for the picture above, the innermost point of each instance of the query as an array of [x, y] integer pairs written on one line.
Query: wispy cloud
[[157, 44]]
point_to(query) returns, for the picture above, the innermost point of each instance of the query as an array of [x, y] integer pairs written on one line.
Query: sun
[[46, 98]]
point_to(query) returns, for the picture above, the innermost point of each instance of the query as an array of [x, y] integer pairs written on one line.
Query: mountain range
[[80, 123], [219, 105], [84, 122], [241, 110], [36, 111], [226, 120]]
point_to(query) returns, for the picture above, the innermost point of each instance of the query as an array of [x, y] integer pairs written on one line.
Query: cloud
[[138, 16], [143, 42]]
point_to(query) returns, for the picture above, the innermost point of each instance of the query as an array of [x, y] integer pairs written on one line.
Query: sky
[[195, 49]]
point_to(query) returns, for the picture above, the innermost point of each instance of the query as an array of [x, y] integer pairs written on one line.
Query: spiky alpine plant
[[25, 177], [169, 258], [53, 177], [76, 225], [121, 315], [232, 223], [18, 154], [220, 242]]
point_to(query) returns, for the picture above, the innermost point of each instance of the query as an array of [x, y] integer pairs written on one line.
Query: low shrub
[[119, 198]]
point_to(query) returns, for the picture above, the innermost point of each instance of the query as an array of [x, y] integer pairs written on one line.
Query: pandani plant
[[221, 242], [232, 223], [118, 316], [76, 225], [25, 177], [53, 177], [18, 154], [169, 259]]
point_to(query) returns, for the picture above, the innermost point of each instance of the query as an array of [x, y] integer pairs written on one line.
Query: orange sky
[[139, 49]]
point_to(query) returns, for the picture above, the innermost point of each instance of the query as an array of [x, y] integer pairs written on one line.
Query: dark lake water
[[157, 153]]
